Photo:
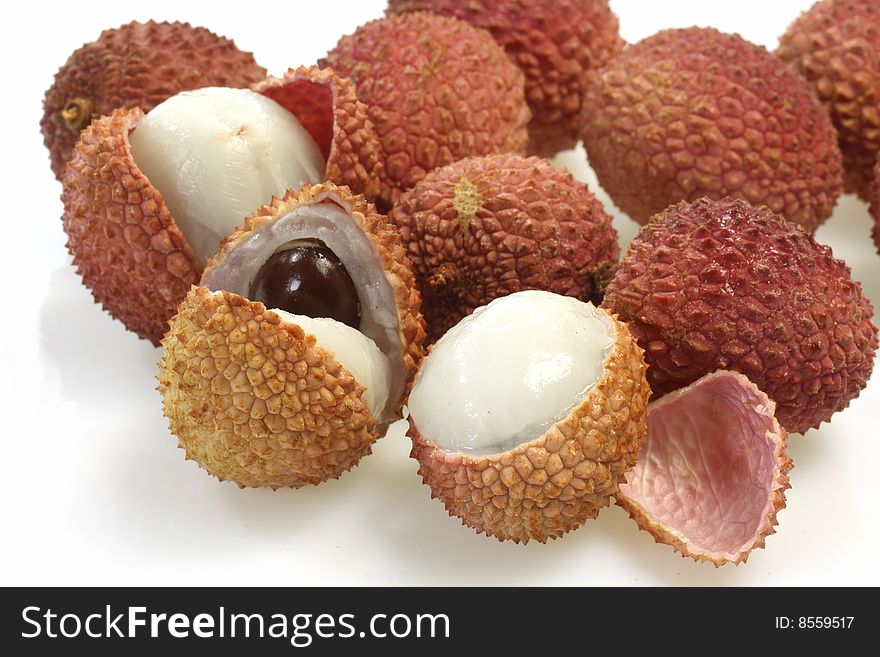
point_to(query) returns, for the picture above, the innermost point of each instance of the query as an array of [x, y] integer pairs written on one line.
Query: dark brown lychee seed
[[308, 279]]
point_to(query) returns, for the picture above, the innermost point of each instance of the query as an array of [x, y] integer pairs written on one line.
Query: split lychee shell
[[257, 400], [124, 241]]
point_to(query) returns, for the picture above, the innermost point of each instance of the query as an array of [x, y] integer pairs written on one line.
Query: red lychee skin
[[124, 243], [485, 227], [835, 46], [694, 112], [558, 45], [875, 205], [437, 89], [139, 65], [724, 285]]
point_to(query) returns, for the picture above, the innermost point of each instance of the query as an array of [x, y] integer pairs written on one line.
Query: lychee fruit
[[437, 90], [136, 65], [488, 226], [148, 198], [724, 285], [527, 414], [835, 46], [557, 45], [295, 352], [694, 112], [875, 205], [713, 472]]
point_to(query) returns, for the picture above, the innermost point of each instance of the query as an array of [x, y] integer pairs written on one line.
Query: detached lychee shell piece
[[532, 487], [256, 399], [723, 285], [328, 108], [835, 46], [437, 90], [488, 226], [557, 45], [136, 65], [712, 475], [694, 112]]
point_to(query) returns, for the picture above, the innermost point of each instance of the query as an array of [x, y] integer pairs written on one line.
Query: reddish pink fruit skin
[[723, 285], [835, 46], [559, 46], [690, 113], [875, 205], [437, 90]]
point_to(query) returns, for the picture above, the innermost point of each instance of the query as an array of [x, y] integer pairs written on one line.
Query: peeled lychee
[[213, 156], [485, 227], [713, 472], [437, 90], [835, 46], [526, 415], [694, 112], [277, 396], [557, 45], [136, 65], [724, 285]]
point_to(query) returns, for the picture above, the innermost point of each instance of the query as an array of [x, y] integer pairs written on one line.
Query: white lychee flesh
[[506, 373], [216, 154], [354, 351], [333, 225]]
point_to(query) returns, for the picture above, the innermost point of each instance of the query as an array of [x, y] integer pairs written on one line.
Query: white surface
[[94, 490]]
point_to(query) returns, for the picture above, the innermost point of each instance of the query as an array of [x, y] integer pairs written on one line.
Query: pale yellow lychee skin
[[253, 399], [556, 482], [256, 401]]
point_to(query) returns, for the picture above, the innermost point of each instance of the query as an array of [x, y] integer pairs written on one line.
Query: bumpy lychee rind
[[123, 240], [558, 46], [694, 112], [835, 46], [725, 285], [256, 401], [438, 90], [384, 236], [253, 399], [136, 65], [328, 108], [875, 205], [489, 226], [546, 487], [751, 402]]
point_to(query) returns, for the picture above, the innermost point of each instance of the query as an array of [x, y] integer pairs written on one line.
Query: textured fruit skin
[[328, 108], [875, 205], [754, 402], [835, 46], [437, 89], [139, 65], [724, 285], [557, 45], [257, 402], [489, 226], [690, 113], [553, 484], [123, 240]]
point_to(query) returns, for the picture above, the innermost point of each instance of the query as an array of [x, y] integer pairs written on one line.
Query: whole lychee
[[694, 112], [724, 285], [437, 90], [835, 46], [136, 65], [485, 227], [527, 414], [558, 45]]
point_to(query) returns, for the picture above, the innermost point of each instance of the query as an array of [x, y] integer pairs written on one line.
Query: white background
[[95, 491]]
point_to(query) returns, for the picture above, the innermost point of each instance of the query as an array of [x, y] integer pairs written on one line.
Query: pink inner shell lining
[[707, 468]]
